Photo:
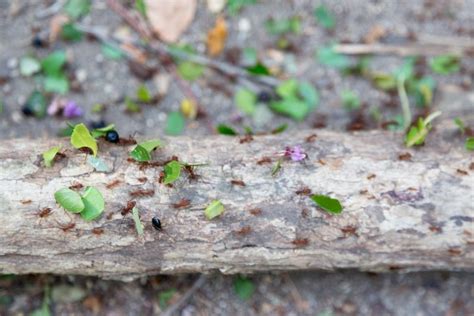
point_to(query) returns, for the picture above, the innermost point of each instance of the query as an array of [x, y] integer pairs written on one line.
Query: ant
[[67, 227], [349, 230], [76, 186], [303, 191], [264, 160], [182, 203], [26, 201], [190, 170], [311, 138], [237, 182], [143, 179], [244, 231], [97, 231], [246, 139], [300, 242], [44, 212], [256, 211], [142, 193], [128, 208], [112, 184]]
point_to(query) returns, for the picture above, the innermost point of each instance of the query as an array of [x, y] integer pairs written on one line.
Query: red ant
[[246, 139], [182, 203], [26, 201], [97, 231], [128, 208], [44, 212], [244, 231], [237, 182], [264, 160], [142, 193], [304, 191], [112, 184], [256, 211], [311, 138], [76, 186], [300, 242]]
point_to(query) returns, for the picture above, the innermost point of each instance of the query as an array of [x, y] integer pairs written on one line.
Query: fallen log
[[404, 209]]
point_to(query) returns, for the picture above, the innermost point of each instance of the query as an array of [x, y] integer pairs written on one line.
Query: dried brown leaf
[[216, 37]]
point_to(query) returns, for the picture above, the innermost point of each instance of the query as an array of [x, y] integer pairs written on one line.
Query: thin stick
[[179, 304], [402, 50]]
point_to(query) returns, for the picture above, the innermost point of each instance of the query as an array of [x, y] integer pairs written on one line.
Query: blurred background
[[235, 67]]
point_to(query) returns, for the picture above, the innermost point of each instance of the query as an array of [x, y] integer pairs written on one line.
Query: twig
[[179, 304], [139, 25], [402, 50]]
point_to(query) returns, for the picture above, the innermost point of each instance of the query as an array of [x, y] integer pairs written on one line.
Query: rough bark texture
[[400, 212]]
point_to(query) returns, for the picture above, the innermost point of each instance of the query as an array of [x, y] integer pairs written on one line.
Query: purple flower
[[72, 110], [296, 153]]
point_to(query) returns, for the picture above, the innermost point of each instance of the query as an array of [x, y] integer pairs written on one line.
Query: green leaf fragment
[[29, 66], [140, 154], [283, 26], [309, 94], [214, 209], [98, 132], [48, 156], [327, 203], [69, 32], [329, 57], [131, 106], [165, 297], [460, 124], [172, 171], [280, 129], [143, 94], [226, 130], [244, 288], [98, 164], [111, 51], [151, 145], [36, 104], [81, 138], [137, 221], [245, 100], [469, 145], [77, 8], [140, 6], [56, 83], [234, 6], [190, 71], [287, 88], [94, 204], [52, 65], [417, 134], [445, 64], [175, 123], [70, 200], [350, 100], [292, 107], [324, 17]]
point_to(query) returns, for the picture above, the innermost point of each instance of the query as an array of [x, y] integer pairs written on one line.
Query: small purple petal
[[72, 110], [296, 153], [55, 106]]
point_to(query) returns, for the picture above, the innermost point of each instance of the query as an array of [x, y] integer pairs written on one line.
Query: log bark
[[404, 209]]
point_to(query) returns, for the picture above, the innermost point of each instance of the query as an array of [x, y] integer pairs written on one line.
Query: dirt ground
[[108, 81]]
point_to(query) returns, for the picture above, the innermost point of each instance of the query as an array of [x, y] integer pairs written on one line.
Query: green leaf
[[244, 288], [36, 104], [65, 294], [57, 83], [137, 221], [77, 8], [283, 26], [469, 145], [70, 200], [69, 32], [131, 106], [234, 6], [287, 89], [445, 64], [249, 56], [291, 107], [280, 129], [424, 91], [327, 203], [140, 6], [245, 100], [48, 156], [98, 164], [52, 65], [82, 138], [99, 132], [417, 134], [140, 154], [309, 94], [226, 130], [175, 123], [460, 124], [324, 17], [189, 70], [29, 66], [406, 70], [350, 100], [384, 81], [151, 145], [111, 51], [172, 171], [258, 69], [93, 204], [276, 167], [214, 209], [164, 297], [327, 56], [143, 94]]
